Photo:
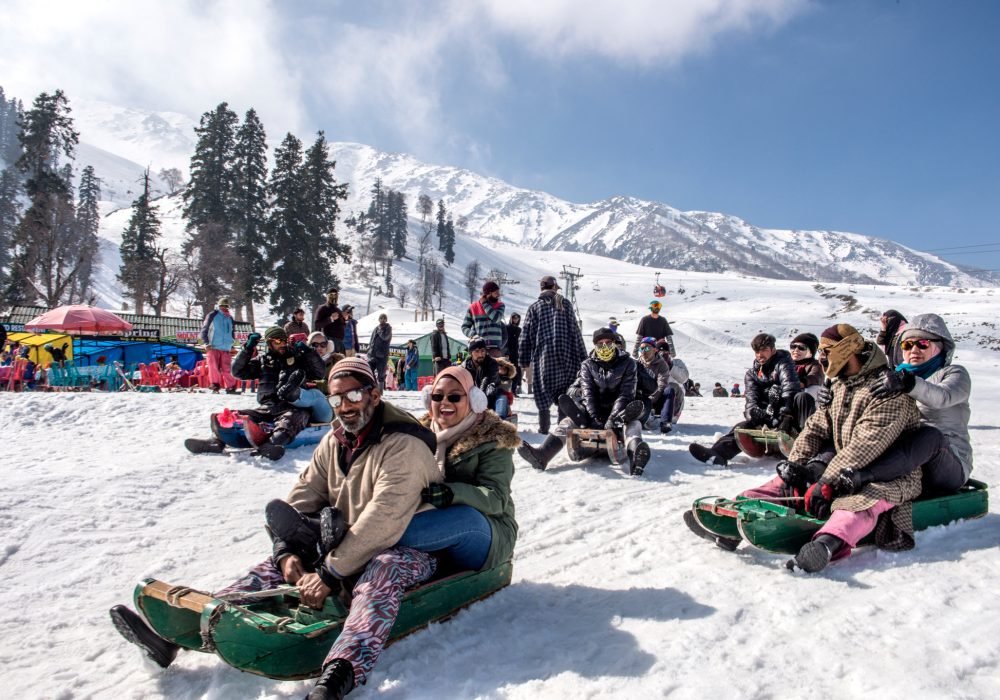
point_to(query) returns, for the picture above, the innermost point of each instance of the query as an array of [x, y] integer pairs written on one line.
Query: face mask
[[605, 352]]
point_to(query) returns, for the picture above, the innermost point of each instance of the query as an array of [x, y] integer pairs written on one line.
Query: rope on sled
[[177, 592]]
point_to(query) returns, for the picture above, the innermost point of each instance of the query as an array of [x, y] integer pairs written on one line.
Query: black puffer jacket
[[607, 387], [773, 385], [272, 369]]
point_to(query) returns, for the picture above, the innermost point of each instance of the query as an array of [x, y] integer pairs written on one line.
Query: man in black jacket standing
[[484, 369], [654, 326], [378, 349], [330, 320], [770, 388], [440, 348], [513, 338]]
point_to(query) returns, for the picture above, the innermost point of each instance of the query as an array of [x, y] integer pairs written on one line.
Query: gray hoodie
[[943, 398]]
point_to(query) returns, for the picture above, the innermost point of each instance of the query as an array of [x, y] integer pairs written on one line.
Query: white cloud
[[183, 55], [641, 31]]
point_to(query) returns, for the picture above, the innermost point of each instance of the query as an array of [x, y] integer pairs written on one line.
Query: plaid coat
[[861, 428], [552, 345]]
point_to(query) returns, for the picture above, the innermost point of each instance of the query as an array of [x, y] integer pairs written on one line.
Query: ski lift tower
[[571, 274]]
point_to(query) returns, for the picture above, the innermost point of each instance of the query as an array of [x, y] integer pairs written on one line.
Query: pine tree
[[285, 228], [10, 212], [88, 222], [398, 223], [449, 241], [378, 222], [140, 264], [208, 203], [442, 217], [249, 213], [11, 115], [45, 262]]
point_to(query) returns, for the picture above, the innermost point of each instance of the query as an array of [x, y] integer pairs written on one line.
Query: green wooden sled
[[781, 529], [272, 635]]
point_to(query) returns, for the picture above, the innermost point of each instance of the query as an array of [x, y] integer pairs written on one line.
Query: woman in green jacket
[[472, 524]]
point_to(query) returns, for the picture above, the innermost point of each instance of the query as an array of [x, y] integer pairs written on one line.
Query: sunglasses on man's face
[[645, 348], [452, 398], [798, 346], [354, 395], [921, 343]]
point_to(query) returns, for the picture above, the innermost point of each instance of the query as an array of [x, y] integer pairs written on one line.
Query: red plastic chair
[[16, 380]]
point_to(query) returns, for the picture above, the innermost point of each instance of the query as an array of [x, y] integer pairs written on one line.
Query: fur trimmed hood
[[491, 428]]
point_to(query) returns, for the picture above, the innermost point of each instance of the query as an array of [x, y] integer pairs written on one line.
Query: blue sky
[[873, 116]]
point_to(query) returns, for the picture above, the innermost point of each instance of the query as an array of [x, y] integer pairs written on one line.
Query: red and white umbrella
[[80, 319]]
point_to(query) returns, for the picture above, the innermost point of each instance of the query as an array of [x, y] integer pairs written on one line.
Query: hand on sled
[[786, 424], [291, 569], [819, 499], [312, 590]]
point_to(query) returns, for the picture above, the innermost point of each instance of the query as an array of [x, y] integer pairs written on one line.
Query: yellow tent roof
[[36, 343]]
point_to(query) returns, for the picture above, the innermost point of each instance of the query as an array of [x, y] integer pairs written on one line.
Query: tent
[[131, 352], [36, 342]]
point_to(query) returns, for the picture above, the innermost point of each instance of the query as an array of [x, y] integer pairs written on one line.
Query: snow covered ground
[[612, 596]]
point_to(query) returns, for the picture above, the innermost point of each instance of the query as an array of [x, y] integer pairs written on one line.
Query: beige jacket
[[381, 490]]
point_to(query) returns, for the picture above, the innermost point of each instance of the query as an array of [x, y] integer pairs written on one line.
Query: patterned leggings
[[374, 606]]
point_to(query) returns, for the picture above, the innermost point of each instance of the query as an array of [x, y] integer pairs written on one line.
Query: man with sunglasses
[[281, 372], [373, 467], [654, 326]]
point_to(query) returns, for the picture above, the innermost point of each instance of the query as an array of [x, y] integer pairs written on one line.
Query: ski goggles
[[645, 348], [354, 395], [452, 398], [922, 343]]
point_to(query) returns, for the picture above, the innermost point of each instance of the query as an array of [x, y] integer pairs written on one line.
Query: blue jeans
[[461, 533], [410, 379], [502, 406], [315, 401]]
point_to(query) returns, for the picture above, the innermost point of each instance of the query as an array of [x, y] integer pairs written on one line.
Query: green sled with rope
[[782, 529], [270, 634]]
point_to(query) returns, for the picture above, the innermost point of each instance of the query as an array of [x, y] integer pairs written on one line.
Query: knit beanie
[[604, 334], [477, 343], [275, 332], [357, 368], [809, 340]]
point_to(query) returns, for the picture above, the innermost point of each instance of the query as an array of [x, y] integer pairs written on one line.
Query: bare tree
[[402, 293], [462, 225], [472, 271], [169, 275], [172, 178]]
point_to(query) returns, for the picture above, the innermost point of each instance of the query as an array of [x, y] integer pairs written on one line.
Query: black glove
[[819, 498], [825, 396], [299, 348], [850, 481], [786, 424], [438, 495], [252, 340], [774, 394], [291, 389], [800, 476], [892, 383], [756, 415]]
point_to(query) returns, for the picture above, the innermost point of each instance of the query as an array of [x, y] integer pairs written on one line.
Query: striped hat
[[357, 368]]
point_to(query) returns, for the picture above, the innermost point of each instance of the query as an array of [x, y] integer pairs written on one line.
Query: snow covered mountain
[[122, 142]]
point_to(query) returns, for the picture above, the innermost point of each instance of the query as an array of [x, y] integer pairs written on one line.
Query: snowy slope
[[612, 597]]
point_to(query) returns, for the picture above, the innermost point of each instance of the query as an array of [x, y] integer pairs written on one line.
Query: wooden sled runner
[[583, 443], [781, 529], [757, 442], [273, 635]]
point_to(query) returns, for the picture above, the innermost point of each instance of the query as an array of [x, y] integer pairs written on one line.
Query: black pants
[[803, 406], [378, 365], [726, 446], [926, 447], [441, 365]]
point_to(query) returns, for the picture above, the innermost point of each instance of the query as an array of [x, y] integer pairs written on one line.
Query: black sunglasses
[[452, 398], [318, 345], [798, 346]]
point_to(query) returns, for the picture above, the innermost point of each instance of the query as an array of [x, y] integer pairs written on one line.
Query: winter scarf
[[446, 437], [926, 369]]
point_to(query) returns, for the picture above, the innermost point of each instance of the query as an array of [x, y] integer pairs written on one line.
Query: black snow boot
[[210, 446], [638, 456], [704, 454], [631, 412], [300, 532], [815, 555], [539, 457], [694, 526], [335, 682], [271, 451], [135, 630]]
